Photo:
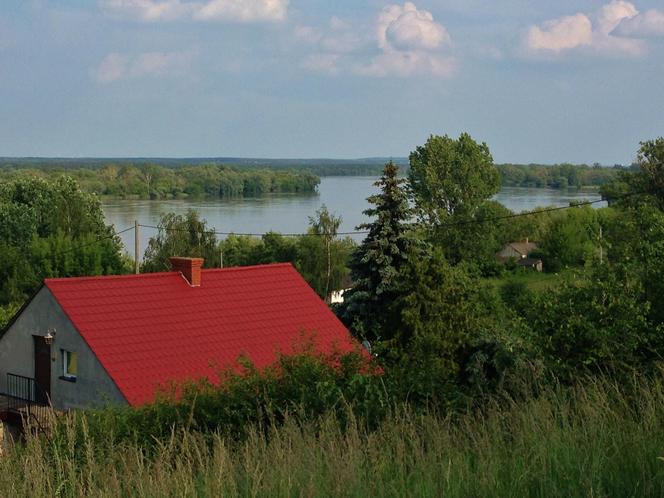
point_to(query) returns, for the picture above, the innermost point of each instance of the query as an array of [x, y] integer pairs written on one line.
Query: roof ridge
[[247, 268], [164, 273], [112, 277]]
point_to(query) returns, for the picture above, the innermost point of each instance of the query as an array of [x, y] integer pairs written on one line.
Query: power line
[[246, 234], [518, 215], [364, 232], [96, 241]]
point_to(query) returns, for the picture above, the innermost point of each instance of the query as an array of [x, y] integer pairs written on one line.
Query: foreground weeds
[[601, 439]]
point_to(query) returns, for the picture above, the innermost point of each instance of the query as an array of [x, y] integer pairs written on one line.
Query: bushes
[[596, 439], [601, 324], [303, 386]]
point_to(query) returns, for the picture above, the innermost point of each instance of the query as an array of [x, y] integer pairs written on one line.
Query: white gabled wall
[[93, 386]]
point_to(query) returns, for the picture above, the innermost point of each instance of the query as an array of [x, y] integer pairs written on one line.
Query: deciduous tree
[[450, 177]]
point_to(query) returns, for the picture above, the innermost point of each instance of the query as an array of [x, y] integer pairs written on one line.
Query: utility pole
[[136, 246], [601, 248], [221, 257]]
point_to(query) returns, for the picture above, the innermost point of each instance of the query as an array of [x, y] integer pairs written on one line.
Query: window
[[70, 364]]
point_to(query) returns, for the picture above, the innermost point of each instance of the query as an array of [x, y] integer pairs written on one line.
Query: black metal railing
[[24, 393], [28, 404], [21, 388]]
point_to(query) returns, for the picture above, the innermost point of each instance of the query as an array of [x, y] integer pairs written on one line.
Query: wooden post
[[136, 247]]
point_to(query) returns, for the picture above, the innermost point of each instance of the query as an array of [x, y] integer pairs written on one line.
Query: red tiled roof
[[150, 329]]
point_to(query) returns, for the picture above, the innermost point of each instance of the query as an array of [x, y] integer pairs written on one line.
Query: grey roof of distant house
[[523, 247]]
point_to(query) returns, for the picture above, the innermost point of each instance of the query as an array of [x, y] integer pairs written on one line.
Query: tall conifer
[[376, 263]]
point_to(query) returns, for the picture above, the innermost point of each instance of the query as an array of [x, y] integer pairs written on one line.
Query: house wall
[[337, 297], [93, 386]]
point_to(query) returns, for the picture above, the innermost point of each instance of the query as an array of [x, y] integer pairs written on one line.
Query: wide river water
[[288, 213]]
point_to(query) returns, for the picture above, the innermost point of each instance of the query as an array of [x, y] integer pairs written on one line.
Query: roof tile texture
[[151, 329]]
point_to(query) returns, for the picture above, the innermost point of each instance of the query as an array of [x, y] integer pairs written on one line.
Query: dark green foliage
[[181, 235], [451, 333], [6, 314], [376, 264], [305, 385], [516, 296], [599, 438], [572, 238], [445, 339], [634, 236], [450, 177], [558, 176], [151, 181], [598, 325], [52, 229], [324, 226], [325, 270], [323, 266], [651, 162], [450, 182], [464, 238]]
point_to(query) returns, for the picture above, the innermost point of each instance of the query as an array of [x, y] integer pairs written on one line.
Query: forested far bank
[[557, 176], [169, 179], [150, 181]]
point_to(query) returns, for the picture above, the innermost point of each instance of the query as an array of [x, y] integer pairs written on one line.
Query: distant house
[[520, 253], [337, 297], [92, 341]]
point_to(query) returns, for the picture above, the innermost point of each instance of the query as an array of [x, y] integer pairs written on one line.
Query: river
[[289, 213]]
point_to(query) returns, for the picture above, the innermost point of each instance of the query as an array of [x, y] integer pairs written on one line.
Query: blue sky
[[538, 81]]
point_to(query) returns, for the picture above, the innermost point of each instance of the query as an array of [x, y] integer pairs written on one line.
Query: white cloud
[[406, 41], [207, 10], [579, 33], [410, 41], [611, 14], [242, 10], [115, 66], [645, 25], [147, 10], [406, 28], [112, 68], [560, 34], [405, 64], [339, 38]]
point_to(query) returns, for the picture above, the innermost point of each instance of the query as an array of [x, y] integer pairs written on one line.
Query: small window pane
[[70, 363]]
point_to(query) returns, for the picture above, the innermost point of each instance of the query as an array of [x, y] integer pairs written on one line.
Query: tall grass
[[599, 439]]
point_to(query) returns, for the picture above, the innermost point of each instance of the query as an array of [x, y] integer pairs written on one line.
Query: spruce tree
[[376, 263]]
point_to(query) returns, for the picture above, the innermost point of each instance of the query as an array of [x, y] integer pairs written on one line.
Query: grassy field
[[534, 281], [599, 440]]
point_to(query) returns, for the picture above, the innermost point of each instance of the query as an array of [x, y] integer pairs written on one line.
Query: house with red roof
[[93, 341]]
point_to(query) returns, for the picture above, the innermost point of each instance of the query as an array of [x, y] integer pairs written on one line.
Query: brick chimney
[[190, 269]]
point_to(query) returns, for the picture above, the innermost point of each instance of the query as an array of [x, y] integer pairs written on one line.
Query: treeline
[[319, 255], [51, 229], [558, 176], [320, 167], [511, 175], [150, 181]]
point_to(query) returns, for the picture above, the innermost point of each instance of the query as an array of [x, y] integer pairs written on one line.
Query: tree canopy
[[52, 229], [180, 235], [449, 176], [375, 266]]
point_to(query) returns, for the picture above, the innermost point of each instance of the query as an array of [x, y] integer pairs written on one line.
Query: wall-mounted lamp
[[49, 337]]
